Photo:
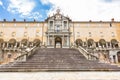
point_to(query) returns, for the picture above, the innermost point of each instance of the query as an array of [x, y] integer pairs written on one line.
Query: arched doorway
[[114, 43], [58, 42], [90, 43], [118, 55], [102, 43], [12, 42], [79, 42], [24, 42]]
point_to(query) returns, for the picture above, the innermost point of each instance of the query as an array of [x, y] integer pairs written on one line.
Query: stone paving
[[60, 76]]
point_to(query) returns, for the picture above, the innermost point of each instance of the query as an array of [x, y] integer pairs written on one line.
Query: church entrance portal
[[58, 42], [118, 54]]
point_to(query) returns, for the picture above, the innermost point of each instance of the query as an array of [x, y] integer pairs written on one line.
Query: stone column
[[3, 45], [7, 44], [94, 44], [16, 44], [48, 39], [116, 58], [67, 40], [106, 45], [118, 45], [1, 55], [27, 43], [114, 46], [111, 59], [53, 41], [67, 25], [20, 44], [62, 25], [63, 40], [110, 45], [98, 44], [32, 44], [83, 43], [53, 26]]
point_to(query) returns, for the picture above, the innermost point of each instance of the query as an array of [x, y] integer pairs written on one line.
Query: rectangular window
[[101, 33], [13, 34], [58, 28], [89, 32], [37, 34], [65, 24], [25, 34], [51, 24], [90, 35], [113, 35], [1, 34]]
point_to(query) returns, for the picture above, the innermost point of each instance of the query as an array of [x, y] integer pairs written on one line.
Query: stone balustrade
[[28, 52], [88, 55]]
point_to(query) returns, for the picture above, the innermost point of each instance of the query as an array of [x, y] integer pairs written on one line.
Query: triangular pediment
[[58, 16]]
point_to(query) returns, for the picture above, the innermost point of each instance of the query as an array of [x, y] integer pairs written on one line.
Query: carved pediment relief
[[58, 16]]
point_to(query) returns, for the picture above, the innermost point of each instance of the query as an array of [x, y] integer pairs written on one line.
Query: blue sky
[[77, 10], [23, 9]]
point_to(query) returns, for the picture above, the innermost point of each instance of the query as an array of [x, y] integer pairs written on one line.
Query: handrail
[[87, 55], [26, 54]]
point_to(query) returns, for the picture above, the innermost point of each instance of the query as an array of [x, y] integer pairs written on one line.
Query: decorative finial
[[58, 10]]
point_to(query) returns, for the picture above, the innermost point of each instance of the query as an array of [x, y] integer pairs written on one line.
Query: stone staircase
[[54, 59]]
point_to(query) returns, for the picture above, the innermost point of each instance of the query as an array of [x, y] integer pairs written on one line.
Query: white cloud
[[1, 3], [23, 7], [35, 15], [44, 2], [88, 9]]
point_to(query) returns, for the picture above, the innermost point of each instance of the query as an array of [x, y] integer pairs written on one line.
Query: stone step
[[57, 59]]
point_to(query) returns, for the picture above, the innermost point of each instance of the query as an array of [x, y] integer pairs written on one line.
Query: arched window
[[65, 24], [51, 24]]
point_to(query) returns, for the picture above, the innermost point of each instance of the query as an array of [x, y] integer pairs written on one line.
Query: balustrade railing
[[59, 30], [25, 54], [88, 55]]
